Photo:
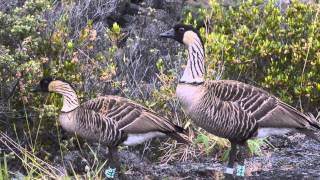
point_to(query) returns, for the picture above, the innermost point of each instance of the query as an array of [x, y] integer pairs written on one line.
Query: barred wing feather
[[268, 110], [130, 116]]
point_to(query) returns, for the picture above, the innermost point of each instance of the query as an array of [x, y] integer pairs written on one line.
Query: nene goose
[[232, 109], [110, 120]]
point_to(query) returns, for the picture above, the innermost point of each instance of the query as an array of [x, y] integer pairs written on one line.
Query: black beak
[[168, 34], [36, 89]]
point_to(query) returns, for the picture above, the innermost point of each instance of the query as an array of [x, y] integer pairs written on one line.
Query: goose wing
[[268, 110], [96, 126], [132, 117]]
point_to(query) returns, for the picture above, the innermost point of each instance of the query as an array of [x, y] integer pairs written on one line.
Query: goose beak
[[168, 34], [36, 89]]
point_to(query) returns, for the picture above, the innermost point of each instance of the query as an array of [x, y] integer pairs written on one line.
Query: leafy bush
[[39, 39], [22, 52]]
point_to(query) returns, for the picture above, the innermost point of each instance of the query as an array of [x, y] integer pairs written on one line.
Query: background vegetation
[[265, 43]]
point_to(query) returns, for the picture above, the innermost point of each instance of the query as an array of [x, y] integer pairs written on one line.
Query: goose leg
[[241, 160], [114, 164], [232, 158]]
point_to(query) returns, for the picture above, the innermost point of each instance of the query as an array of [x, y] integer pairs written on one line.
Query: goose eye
[[181, 29]]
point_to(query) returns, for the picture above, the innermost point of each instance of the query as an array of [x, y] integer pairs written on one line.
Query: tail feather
[[304, 119], [313, 120], [182, 138], [180, 135], [180, 129]]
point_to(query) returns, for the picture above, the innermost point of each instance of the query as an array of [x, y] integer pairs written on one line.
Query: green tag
[[110, 172], [240, 171]]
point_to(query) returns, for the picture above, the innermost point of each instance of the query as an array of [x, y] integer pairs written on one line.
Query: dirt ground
[[290, 157], [293, 157]]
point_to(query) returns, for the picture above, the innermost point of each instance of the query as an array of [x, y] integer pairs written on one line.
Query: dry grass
[[29, 160], [203, 144]]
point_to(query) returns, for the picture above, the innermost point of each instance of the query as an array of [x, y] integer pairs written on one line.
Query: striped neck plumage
[[195, 69], [70, 98]]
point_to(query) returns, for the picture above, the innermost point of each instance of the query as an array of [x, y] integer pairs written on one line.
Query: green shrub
[[22, 51]]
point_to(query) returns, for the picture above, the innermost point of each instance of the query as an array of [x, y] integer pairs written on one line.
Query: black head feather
[[44, 83], [178, 31]]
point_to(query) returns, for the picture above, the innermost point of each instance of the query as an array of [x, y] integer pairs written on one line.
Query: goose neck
[[195, 69], [70, 98]]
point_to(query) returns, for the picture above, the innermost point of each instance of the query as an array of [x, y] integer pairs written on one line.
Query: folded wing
[[268, 110], [133, 118]]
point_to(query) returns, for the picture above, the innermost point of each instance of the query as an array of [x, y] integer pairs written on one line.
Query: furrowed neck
[[70, 98], [195, 69]]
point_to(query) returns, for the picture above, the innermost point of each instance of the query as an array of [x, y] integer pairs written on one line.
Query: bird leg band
[[110, 172], [240, 170], [228, 170]]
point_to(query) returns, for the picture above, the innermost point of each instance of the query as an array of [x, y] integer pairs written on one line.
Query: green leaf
[[116, 28]]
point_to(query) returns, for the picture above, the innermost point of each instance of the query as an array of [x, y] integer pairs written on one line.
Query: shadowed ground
[[294, 157]]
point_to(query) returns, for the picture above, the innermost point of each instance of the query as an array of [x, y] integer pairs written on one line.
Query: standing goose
[[111, 120], [232, 109]]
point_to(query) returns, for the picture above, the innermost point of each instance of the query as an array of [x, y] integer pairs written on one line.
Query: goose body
[[232, 109], [238, 111], [110, 120], [116, 120]]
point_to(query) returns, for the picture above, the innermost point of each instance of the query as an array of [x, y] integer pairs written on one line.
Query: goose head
[[43, 85], [185, 34], [49, 84]]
